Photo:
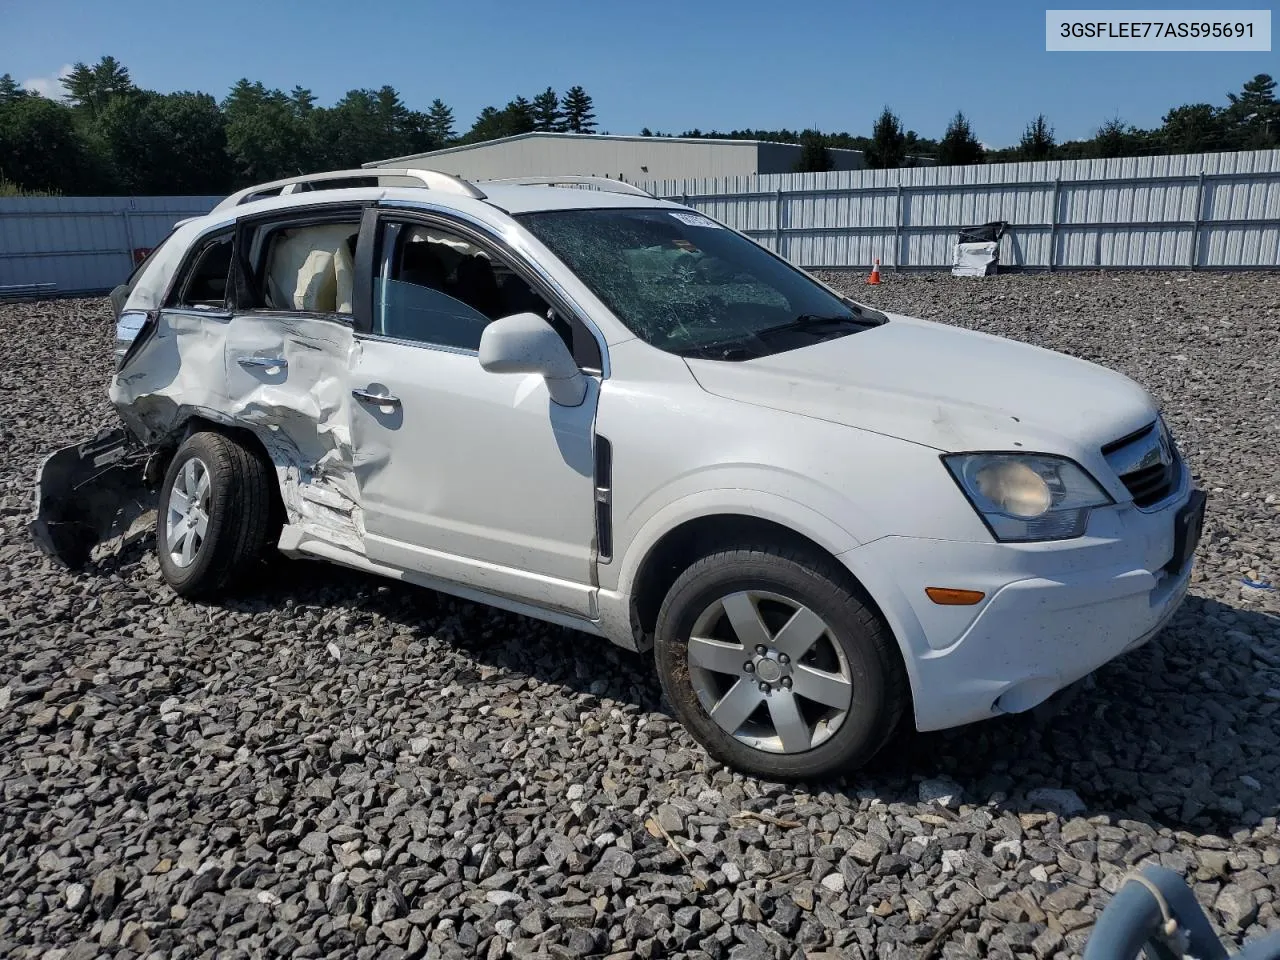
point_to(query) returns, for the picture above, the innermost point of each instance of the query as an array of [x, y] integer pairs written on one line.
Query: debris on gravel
[[331, 765]]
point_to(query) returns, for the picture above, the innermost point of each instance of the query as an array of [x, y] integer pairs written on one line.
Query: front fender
[[776, 507]]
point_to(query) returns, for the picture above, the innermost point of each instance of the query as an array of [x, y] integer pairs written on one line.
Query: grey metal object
[[604, 184], [430, 179], [376, 399], [20, 290], [789, 663], [187, 512], [267, 363], [1155, 912]]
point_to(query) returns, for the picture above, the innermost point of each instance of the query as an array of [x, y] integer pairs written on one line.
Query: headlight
[[1027, 496]]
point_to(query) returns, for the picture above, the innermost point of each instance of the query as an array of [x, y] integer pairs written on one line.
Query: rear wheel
[[215, 514], [776, 665]]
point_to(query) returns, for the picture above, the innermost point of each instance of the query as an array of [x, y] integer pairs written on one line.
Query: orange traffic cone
[[875, 273]]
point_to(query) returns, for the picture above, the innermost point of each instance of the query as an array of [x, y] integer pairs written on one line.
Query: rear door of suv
[[285, 363]]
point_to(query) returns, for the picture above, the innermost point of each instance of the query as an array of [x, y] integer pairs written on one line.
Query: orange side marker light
[[951, 597]]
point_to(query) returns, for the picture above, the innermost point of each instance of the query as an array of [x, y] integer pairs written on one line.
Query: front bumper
[[1052, 612]]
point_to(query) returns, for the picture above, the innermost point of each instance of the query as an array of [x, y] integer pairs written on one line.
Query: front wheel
[[776, 665]]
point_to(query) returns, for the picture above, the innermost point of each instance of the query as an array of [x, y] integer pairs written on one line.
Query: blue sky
[[669, 66]]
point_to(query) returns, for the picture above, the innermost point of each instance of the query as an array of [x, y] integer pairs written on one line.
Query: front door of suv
[[470, 477]]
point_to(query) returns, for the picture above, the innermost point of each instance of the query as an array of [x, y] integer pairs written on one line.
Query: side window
[[205, 284], [308, 268], [434, 286]]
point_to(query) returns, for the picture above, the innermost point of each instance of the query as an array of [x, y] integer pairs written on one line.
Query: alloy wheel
[[769, 671], [187, 515]]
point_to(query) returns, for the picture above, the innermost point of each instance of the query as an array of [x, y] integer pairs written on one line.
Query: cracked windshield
[[685, 284]]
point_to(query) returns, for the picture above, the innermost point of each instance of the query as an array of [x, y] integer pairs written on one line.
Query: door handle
[[378, 399], [267, 362]]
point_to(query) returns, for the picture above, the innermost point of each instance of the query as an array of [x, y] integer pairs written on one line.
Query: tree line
[[108, 136], [1249, 120]]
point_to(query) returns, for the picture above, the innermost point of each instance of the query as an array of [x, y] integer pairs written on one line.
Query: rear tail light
[[128, 325]]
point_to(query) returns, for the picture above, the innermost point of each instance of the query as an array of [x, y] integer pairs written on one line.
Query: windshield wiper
[[727, 350], [742, 348], [810, 321]]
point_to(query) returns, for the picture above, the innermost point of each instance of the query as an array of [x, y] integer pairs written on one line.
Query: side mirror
[[525, 343]]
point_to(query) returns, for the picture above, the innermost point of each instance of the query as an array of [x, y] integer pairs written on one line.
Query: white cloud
[[50, 87]]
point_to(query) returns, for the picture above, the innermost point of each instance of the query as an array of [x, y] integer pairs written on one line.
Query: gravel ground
[[332, 765]]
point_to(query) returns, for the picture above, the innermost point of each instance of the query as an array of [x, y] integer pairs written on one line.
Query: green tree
[[814, 155], [440, 122], [10, 89], [1194, 128], [92, 87], [364, 125], [41, 148], [579, 115], [172, 143], [303, 100], [1037, 140], [547, 116], [490, 125], [1115, 139], [958, 146], [888, 143], [1254, 114], [267, 137], [519, 117]]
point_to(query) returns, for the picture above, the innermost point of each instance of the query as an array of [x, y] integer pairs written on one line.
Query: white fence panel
[[1217, 211], [1201, 210], [83, 244]]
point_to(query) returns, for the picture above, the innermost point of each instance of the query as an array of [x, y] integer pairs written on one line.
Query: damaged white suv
[[572, 400]]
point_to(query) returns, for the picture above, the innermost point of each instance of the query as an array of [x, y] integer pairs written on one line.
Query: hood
[[944, 387]]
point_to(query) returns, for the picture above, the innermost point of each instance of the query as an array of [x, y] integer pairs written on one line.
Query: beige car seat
[[311, 269]]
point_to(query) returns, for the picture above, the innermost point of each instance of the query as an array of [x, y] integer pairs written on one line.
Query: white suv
[[569, 399]]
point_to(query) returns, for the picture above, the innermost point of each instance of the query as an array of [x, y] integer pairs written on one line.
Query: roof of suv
[[147, 284], [513, 195], [527, 199], [506, 197]]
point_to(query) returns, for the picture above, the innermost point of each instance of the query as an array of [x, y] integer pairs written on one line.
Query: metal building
[[628, 158]]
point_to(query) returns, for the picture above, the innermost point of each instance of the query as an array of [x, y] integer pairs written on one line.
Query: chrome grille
[[1147, 462]]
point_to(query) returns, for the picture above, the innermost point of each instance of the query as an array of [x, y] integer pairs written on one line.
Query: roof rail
[[430, 179], [604, 184]]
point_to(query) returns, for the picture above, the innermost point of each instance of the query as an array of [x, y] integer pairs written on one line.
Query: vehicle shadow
[[1180, 733]]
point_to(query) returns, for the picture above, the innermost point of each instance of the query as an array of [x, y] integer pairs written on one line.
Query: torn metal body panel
[[90, 492], [282, 378], [286, 379]]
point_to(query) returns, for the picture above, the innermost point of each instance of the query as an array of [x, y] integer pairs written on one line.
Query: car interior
[[206, 285], [311, 268], [457, 270]]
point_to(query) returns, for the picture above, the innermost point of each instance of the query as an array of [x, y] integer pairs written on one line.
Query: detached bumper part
[[90, 492]]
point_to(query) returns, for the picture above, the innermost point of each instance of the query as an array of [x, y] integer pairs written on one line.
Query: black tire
[[240, 515], [881, 693]]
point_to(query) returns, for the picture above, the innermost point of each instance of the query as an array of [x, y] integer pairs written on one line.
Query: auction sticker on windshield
[[696, 220]]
